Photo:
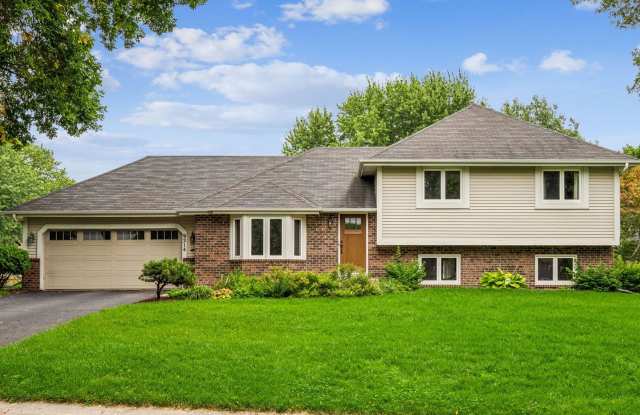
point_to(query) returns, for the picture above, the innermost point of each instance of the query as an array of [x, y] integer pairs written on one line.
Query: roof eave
[[367, 165]]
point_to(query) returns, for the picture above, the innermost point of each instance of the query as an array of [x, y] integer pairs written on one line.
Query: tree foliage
[[49, 79], [629, 247], [167, 271], [26, 173], [315, 130], [383, 113], [13, 261], [540, 112], [626, 15]]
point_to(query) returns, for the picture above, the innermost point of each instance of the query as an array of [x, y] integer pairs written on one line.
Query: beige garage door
[[104, 259]]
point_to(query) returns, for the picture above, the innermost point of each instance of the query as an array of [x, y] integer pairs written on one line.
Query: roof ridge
[[425, 128], [231, 186], [558, 133], [82, 182]]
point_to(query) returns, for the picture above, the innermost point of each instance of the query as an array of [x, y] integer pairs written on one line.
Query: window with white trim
[[267, 237], [555, 269], [442, 187], [440, 269], [562, 188]]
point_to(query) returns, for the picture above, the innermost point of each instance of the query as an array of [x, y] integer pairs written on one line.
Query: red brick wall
[[31, 279], [212, 248], [478, 259], [212, 252]]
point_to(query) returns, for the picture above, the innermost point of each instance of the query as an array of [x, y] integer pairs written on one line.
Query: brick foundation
[[212, 252], [31, 279]]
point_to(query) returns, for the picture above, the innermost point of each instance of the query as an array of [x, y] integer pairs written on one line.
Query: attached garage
[[90, 259]]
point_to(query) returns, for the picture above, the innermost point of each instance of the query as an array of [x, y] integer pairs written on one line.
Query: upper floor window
[[561, 188], [442, 188], [269, 237]]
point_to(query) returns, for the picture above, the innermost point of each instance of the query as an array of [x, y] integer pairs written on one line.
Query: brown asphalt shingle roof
[[321, 179], [480, 133]]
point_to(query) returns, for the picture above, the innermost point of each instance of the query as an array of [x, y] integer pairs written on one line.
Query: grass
[[429, 352]]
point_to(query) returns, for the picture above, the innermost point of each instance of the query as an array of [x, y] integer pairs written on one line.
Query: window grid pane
[[130, 235], [551, 185], [449, 269], [297, 237], [565, 268], [275, 237], [97, 235], [452, 184], [430, 266], [571, 185], [545, 269], [236, 239], [257, 237], [432, 184], [63, 235], [164, 235]]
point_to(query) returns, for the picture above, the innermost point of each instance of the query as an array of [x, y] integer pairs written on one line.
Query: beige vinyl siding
[[501, 212]]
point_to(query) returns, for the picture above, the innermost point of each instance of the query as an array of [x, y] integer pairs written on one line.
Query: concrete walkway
[[42, 408]]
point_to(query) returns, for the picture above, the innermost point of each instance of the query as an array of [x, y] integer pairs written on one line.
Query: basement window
[[555, 269], [440, 269]]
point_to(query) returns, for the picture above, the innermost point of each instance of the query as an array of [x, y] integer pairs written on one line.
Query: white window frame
[[439, 280], [442, 203], [583, 192], [288, 230], [555, 258]]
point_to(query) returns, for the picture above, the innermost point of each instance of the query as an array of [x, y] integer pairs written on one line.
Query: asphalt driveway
[[24, 314]]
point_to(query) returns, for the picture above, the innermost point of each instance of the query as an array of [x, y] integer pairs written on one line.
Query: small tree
[[13, 261], [167, 271]]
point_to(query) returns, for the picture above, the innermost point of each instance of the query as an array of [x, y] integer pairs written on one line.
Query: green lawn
[[432, 351]]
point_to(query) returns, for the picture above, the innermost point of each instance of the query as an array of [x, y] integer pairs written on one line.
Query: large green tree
[[49, 79], [315, 130], [382, 113], [26, 173], [539, 111], [626, 15]]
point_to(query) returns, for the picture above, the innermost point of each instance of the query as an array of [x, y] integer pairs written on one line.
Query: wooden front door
[[353, 237]]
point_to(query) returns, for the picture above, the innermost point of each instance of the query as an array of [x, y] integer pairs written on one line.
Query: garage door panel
[[95, 264]]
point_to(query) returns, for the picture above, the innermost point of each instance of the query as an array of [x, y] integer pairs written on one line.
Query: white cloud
[[332, 11], [241, 5], [589, 5], [108, 81], [477, 64], [562, 61], [171, 114], [188, 48], [380, 24], [282, 83]]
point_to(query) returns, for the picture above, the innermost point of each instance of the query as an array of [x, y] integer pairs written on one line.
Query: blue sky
[[234, 75]]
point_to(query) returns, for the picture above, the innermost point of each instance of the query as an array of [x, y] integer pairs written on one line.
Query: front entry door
[[353, 240]]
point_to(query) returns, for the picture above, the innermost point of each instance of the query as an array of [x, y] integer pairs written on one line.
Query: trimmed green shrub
[[167, 271], [241, 285], [345, 271], [197, 292], [501, 279], [14, 261], [390, 286], [598, 278]]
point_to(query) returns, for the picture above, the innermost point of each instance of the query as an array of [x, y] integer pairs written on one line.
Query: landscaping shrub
[[14, 261], [501, 279], [198, 292], [408, 273], [241, 285], [598, 278], [628, 273], [390, 286], [346, 271], [167, 271], [222, 294]]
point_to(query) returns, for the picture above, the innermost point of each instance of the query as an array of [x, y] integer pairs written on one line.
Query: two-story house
[[476, 191]]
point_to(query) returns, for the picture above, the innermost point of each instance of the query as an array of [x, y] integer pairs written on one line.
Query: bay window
[[267, 237]]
